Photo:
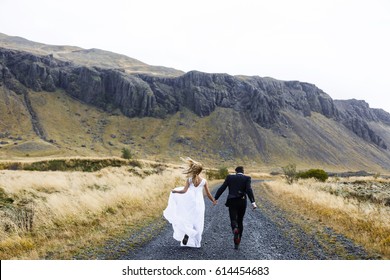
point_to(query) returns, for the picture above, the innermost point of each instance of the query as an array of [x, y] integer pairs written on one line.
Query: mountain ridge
[[262, 105], [85, 57]]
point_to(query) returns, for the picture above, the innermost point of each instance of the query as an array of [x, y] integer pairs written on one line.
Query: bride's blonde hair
[[194, 167]]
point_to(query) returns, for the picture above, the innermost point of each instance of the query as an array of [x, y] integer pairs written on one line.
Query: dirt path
[[268, 234]]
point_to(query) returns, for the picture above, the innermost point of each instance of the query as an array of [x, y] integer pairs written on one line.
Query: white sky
[[341, 46]]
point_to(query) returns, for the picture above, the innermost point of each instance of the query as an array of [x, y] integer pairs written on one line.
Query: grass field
[[55, 214], [355, 207], [56, 208]]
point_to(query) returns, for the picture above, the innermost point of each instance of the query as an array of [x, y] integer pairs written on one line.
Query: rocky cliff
[[356, 115], [140, 95], [261, 98]]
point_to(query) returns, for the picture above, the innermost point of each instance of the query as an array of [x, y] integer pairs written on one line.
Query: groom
[[239, 188]]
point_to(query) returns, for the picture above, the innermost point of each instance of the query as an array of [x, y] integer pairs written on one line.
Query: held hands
[[254, 205], [215, 202]]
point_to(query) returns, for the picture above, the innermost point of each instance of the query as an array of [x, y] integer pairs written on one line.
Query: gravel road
[[269, 234]]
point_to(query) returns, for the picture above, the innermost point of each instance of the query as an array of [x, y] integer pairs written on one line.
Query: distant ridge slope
[[142, 95], [90, 57], [263, 108]]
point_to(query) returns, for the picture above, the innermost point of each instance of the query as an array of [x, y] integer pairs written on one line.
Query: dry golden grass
[[75, 209], [365, 222]]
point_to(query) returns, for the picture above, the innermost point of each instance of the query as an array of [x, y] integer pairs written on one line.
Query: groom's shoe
[[185, 239], [236, 238]]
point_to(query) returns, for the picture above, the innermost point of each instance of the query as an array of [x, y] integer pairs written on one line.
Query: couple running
[[186, 207]]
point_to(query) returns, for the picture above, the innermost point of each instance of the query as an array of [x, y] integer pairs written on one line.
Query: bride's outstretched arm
[[183, 190]]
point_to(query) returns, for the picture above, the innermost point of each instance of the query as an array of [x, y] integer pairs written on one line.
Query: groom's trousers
[[237, 208]]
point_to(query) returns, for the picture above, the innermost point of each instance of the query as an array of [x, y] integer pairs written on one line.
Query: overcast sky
[[343, 47]]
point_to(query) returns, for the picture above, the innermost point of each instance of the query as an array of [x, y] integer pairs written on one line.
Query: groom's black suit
[[239, 188]]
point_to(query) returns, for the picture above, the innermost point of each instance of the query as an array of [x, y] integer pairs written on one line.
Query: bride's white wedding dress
[[186, 214]]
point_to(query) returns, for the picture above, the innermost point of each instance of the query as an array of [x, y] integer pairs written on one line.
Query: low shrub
[[135, 163], [290, 173], [126, 154], [221, 173], [318, 174], [11, 166], [84, 165]]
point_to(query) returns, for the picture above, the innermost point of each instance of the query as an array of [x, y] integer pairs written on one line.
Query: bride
[[186, 207]]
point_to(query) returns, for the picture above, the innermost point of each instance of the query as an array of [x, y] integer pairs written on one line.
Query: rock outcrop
[[355, 115], [262, 98], [141, 95]]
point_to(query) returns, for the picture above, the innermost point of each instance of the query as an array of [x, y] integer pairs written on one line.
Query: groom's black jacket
[[239, 187]]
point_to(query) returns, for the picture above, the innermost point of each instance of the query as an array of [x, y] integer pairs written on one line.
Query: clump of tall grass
[[72, 209]]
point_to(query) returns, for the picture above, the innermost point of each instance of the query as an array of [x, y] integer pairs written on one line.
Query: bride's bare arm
[[183, 190], [206, 188]]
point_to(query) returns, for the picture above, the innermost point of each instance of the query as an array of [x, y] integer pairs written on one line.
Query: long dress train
[[186, 214]]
